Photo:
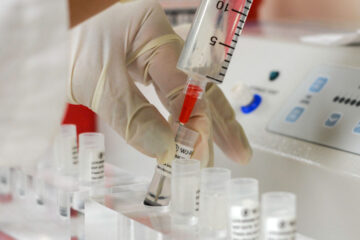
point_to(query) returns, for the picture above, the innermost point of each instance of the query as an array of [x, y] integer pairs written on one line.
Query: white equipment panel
[[325, 109]]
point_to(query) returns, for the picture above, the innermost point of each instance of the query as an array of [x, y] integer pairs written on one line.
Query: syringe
[[209, 47], [205, 58]]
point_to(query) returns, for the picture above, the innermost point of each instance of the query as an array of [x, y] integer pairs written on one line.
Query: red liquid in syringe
[[192, 94]]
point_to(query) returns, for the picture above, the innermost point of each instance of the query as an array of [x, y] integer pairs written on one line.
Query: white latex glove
[[133, 41]]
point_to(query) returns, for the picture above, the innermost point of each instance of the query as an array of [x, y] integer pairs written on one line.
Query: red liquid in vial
[[192, 95]]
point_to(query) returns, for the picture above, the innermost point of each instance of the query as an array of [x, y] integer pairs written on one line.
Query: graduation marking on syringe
[[217, 80], [226, 45], [238, 12]]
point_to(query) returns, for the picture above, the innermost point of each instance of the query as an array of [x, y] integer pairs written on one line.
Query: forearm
[[80, 10]]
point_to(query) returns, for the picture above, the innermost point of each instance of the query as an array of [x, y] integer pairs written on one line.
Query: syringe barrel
[[212, 38], [195, 87]]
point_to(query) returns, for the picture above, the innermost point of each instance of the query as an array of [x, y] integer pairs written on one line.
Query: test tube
[[91, 158], [279, 216], [213, 209], [65, 150], [185, 184], [160, 186], [244, 208]]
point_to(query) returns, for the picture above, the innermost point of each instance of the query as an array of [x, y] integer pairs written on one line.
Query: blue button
[[318, 84], [255, 103], [333, 119], [295, 114], [357, 128]]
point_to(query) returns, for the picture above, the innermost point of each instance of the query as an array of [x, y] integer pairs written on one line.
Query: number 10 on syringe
[[209, 46]]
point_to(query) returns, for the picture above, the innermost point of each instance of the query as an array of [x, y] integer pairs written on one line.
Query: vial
[[5, 188], [63, 203], [65, 150], [160, 187], [185, 184], [244, 210], [5, 185], [79, 198], [91, 158], [213, 209], [279, 216], [20, 182], [40, 190]]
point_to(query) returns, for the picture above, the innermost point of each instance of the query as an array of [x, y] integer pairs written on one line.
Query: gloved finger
[[136, 120], [100, 80], [200, 122], [170, 91], [157, 65], [228, 133], [146, 129]]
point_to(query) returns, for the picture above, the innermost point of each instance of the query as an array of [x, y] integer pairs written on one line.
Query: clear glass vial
[[91, 158], [278, 216], [185, 184], [65, 150], [213, 209], [244, 209]]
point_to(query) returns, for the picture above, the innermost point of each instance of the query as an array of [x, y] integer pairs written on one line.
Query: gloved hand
[[133, 41]]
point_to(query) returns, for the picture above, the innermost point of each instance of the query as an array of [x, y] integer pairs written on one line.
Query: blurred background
[[320, 11]]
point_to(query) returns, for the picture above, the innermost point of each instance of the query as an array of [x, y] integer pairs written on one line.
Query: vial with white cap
[[185, 184], [91, 158], [244, 209], [160, 186], [278, 216], [65, 150], [213, 209]]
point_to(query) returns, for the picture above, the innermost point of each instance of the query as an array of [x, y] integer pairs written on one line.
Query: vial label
[[245, 222], [183, 152], [280, 228], [165, 169], [97, 166], [74, 152], [197, 200]]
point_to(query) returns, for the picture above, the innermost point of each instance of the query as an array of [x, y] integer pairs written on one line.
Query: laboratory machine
[[305, 132]]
